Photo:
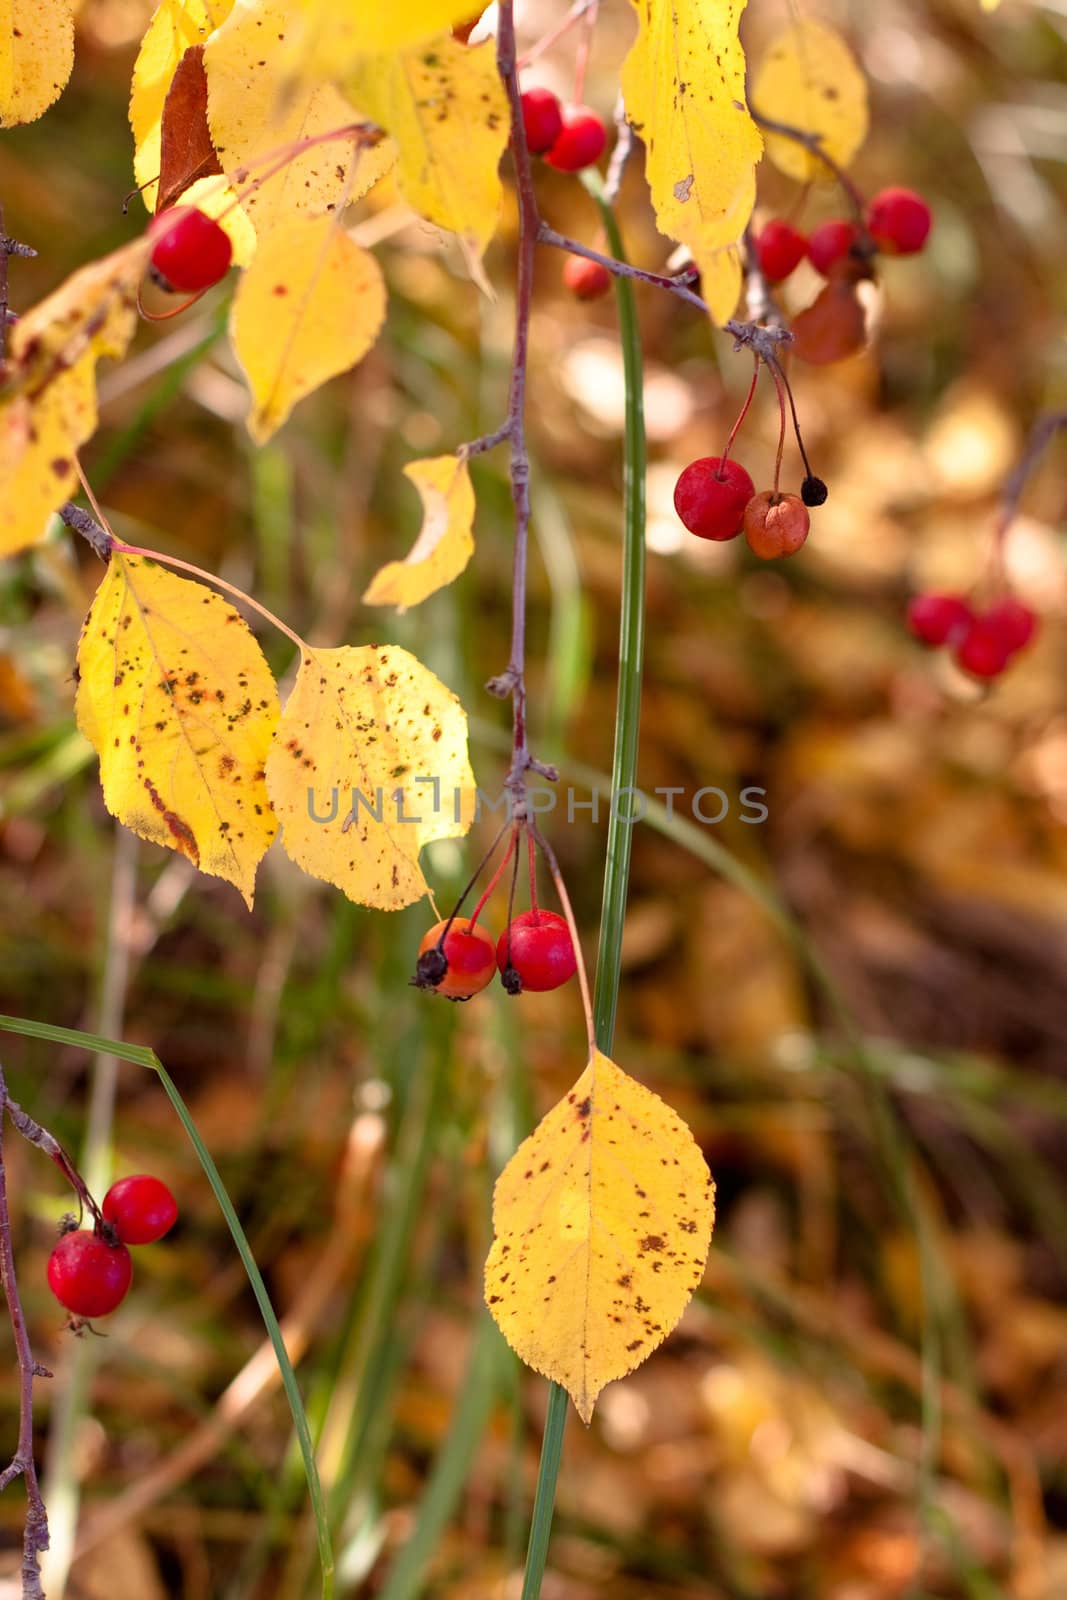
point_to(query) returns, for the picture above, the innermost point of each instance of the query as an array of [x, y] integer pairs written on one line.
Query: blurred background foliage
[[857, 1004]]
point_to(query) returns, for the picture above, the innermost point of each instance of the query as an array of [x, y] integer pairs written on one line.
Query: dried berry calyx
[[813, 490]]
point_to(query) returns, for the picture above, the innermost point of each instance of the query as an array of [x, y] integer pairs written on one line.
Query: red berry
[[830, 244], [775, 524], [899, 221], [470, 954], [141, 1208], [939, 618], [779, 250], [191, 251], [87, 1275], [983, 650], [580, 142], [711, 495], [587, 280], [542, 120], [538, 946], [833, 326], [1015, 623]]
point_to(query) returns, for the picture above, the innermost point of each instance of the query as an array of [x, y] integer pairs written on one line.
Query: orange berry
[[833, 326], [469, 955], [775, 524]]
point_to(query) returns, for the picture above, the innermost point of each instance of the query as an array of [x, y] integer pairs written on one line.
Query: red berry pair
[[982, 642], [191, 252], [716, 499], [897, 220], [569, 137], [535, 951], [90, 1274]]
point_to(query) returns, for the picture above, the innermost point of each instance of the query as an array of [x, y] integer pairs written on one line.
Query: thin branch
[[813, 143], [1041, 434], [513, 680], [622, 269], [8, 247], [624, 144], [35, 1531]]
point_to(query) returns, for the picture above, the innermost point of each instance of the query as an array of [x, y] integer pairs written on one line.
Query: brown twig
[[813, 143], [35, 1530], [8, 247]]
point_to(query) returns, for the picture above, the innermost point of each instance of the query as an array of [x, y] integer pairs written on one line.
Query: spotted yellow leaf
[[329, 38], [684, 85], [602, 1221], [445, 106], [310, 306], [809, 78], [48, 407], [177, 699], [445, 543], [256, 109], [176, 25], [36, 57], [370, 764]]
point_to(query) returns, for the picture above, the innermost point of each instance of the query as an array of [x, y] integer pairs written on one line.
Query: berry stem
[[490, 886], [1040, 435], [533, 870], [743, 413], [553, 36], [585, 44], [568, 911], [35, 1528], [473, 879], [779, 391], [779, 372]]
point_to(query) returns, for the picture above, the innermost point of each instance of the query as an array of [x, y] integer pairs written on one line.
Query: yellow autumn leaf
[[48, 406], [255, 110], [445, 543], [329, 39], [684, 85], [36, 57], [602, 1221], [310, 306], [369, 765], [809, 78], [175, 26], [446, 109], [179, 703]]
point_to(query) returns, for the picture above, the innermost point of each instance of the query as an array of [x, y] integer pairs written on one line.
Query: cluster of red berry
[[982, 641], [457, 958], [896, 222], [90, 1270], [716, 499], [569, 138]]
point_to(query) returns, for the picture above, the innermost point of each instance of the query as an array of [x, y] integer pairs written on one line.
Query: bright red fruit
[[830, 244], [542, 120], [587, 280], [939, 618], [775, 524], [580, 142], [899, 221], [1015, 623], [87, 1275], [779, 250], [470, 954], [191, 251], [538, 946], [141, 1208], [711, 495], [983, 651]]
